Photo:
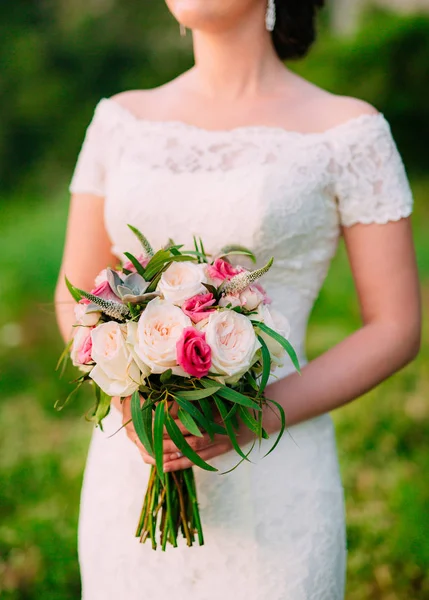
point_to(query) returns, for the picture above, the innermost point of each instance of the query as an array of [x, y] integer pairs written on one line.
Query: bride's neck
[[234, 64]]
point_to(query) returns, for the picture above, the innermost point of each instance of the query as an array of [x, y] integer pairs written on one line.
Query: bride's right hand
[[170, 449]]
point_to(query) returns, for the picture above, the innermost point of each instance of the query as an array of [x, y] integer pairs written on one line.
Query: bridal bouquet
[[190, 338]]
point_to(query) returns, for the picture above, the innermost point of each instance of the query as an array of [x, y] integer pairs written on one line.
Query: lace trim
[[174, 125]]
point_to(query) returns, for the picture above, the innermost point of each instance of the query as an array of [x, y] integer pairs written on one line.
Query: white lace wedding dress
[[274, 529]]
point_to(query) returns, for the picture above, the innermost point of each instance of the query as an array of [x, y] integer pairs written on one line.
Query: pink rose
[[221, 270], [82, 347], [130, 267], [193, 353], [198, 307], [103, 290]]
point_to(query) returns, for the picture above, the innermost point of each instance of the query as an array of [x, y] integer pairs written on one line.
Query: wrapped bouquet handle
[[192, 339]]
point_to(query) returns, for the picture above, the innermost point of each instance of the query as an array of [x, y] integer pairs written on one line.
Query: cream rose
[[278, 322], [115, 371], [233, 342], [181, 281], [159, 329]]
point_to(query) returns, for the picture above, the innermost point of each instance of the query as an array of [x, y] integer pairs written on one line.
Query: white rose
[[181, 281], [89, 319], [233, 342], [278, 322], [159, 329], [115, 371]]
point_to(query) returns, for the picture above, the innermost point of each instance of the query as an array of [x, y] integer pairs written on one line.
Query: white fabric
[[274, 529]]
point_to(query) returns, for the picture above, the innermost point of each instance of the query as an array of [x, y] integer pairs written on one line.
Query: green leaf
[[266, 366], [137, 265], [240, 461], [159, 439], [252, 382], [240, 250], [103, 405], [142, 421], [180, 441], [187, 420], [251, 422], [199, 394], [156, 262], [229, 428], [73, 291], [194, 412], [164, 377], [234, 396], [64, 357], [282, 341], [283, 425]]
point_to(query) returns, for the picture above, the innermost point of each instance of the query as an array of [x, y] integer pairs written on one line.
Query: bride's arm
[[86, 253], [383, 264]]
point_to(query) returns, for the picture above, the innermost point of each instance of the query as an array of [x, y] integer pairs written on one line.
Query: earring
[[270, 15], [182, 30]]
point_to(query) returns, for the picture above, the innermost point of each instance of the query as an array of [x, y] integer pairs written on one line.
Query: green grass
[[382, 437]]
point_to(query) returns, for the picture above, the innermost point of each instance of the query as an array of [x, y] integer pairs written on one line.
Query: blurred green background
[[57, 59]]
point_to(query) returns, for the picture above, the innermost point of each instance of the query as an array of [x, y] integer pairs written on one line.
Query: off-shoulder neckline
[[240, 129]]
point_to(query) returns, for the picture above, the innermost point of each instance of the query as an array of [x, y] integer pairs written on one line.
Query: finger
[[180, 425], [196, 443], [206, 454]]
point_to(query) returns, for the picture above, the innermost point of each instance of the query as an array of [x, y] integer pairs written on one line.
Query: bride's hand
[[173, 458]]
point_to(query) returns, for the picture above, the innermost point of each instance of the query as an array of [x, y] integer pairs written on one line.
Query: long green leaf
[[266, 365], [229, 428], [158, 429], [142, 421], [103, 406], [73, 291], [137, 265], [194, 412], [283, 425], [282, 341], [180, 441], [187, 420], [251, 422], [234, 396], [199, 394]]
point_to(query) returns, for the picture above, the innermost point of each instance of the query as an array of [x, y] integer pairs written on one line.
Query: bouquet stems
[[170, 508]]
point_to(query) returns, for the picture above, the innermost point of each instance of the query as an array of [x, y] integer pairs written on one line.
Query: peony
[[233, 342], [193, 352], [80, 352], [160, 327], [198, 307], [83, 317], [221, 270], [278, 322], [115, 371], [181, 281]]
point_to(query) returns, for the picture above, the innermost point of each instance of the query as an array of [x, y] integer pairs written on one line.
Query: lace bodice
[[281, 193]]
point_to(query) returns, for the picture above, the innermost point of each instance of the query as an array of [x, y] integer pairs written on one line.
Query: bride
[[239, 149]]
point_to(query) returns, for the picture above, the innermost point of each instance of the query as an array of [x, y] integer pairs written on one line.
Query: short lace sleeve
[[371, 184], [89, 173]]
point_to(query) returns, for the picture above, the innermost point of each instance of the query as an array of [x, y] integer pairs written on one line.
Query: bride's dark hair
[[295, 28]]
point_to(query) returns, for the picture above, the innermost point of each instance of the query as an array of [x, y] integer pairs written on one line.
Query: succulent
[[241, 281], [147, 248], [130, 289]]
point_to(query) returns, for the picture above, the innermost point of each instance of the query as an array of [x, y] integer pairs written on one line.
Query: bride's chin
[[209, 15]]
